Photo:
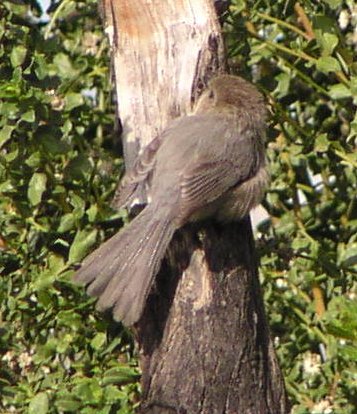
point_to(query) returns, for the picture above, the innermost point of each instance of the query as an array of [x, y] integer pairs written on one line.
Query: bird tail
[[121, 271]]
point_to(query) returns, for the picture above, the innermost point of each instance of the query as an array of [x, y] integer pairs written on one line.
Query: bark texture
[[204, 341]]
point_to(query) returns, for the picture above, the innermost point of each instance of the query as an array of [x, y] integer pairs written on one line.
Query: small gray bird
[[208, 164]]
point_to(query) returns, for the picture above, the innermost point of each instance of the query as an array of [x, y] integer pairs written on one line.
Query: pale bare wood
[[162, 51]]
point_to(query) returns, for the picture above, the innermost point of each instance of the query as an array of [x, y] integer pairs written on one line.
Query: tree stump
[[204, 340]]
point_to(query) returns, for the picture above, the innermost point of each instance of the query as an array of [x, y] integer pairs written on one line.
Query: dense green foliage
[[303, 58], [57, 177], [58, 169]]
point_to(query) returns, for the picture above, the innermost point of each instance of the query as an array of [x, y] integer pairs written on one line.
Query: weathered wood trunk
[[162, 51], [204, 341]]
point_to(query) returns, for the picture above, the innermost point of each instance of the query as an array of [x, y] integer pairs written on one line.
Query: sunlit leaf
[[340, 91], [5, 134], [36, 188], [81, 245], [39, 404], [18, 55], [328, 64]]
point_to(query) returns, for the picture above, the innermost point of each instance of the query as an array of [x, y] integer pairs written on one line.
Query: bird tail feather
[[121, 271]]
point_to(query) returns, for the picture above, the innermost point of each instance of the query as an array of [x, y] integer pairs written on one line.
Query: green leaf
[[328, 64], [36, 188], [329, 41], [348, 158], [322, 143], [72, 100], [339, 91], [283, 80], [353, 128], [78, 203], [238, 5], [89, 391], [5, 134], [81, 245], [113, 394], [51, 143], [348, 257], [353, 84], [41, 67], [11, 156], [48, 276], [8, 109], [18, 55], [29, 116], [79, 168], [333, 3], [341, 318], [120, 375], [326, 33], [98, 341], [39, 404], [67, 403], [92, 212], [34, 160], [6, 186], [64, 67], [67, 222], [349, 352]]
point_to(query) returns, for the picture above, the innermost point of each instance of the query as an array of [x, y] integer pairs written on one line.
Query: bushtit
[[208, 164]]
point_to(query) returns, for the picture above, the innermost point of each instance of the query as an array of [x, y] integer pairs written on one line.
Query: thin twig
[[55, 15], [304, 20], [250, 28], [284, 24]]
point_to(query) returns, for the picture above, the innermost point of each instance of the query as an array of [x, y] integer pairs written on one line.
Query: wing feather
[[217, 168]]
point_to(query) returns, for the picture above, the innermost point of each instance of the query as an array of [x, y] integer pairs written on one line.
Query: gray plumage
[[209, 164]]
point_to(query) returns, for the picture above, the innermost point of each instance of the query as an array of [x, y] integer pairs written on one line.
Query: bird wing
[[134, 181], [207, 181], [226, 157]]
